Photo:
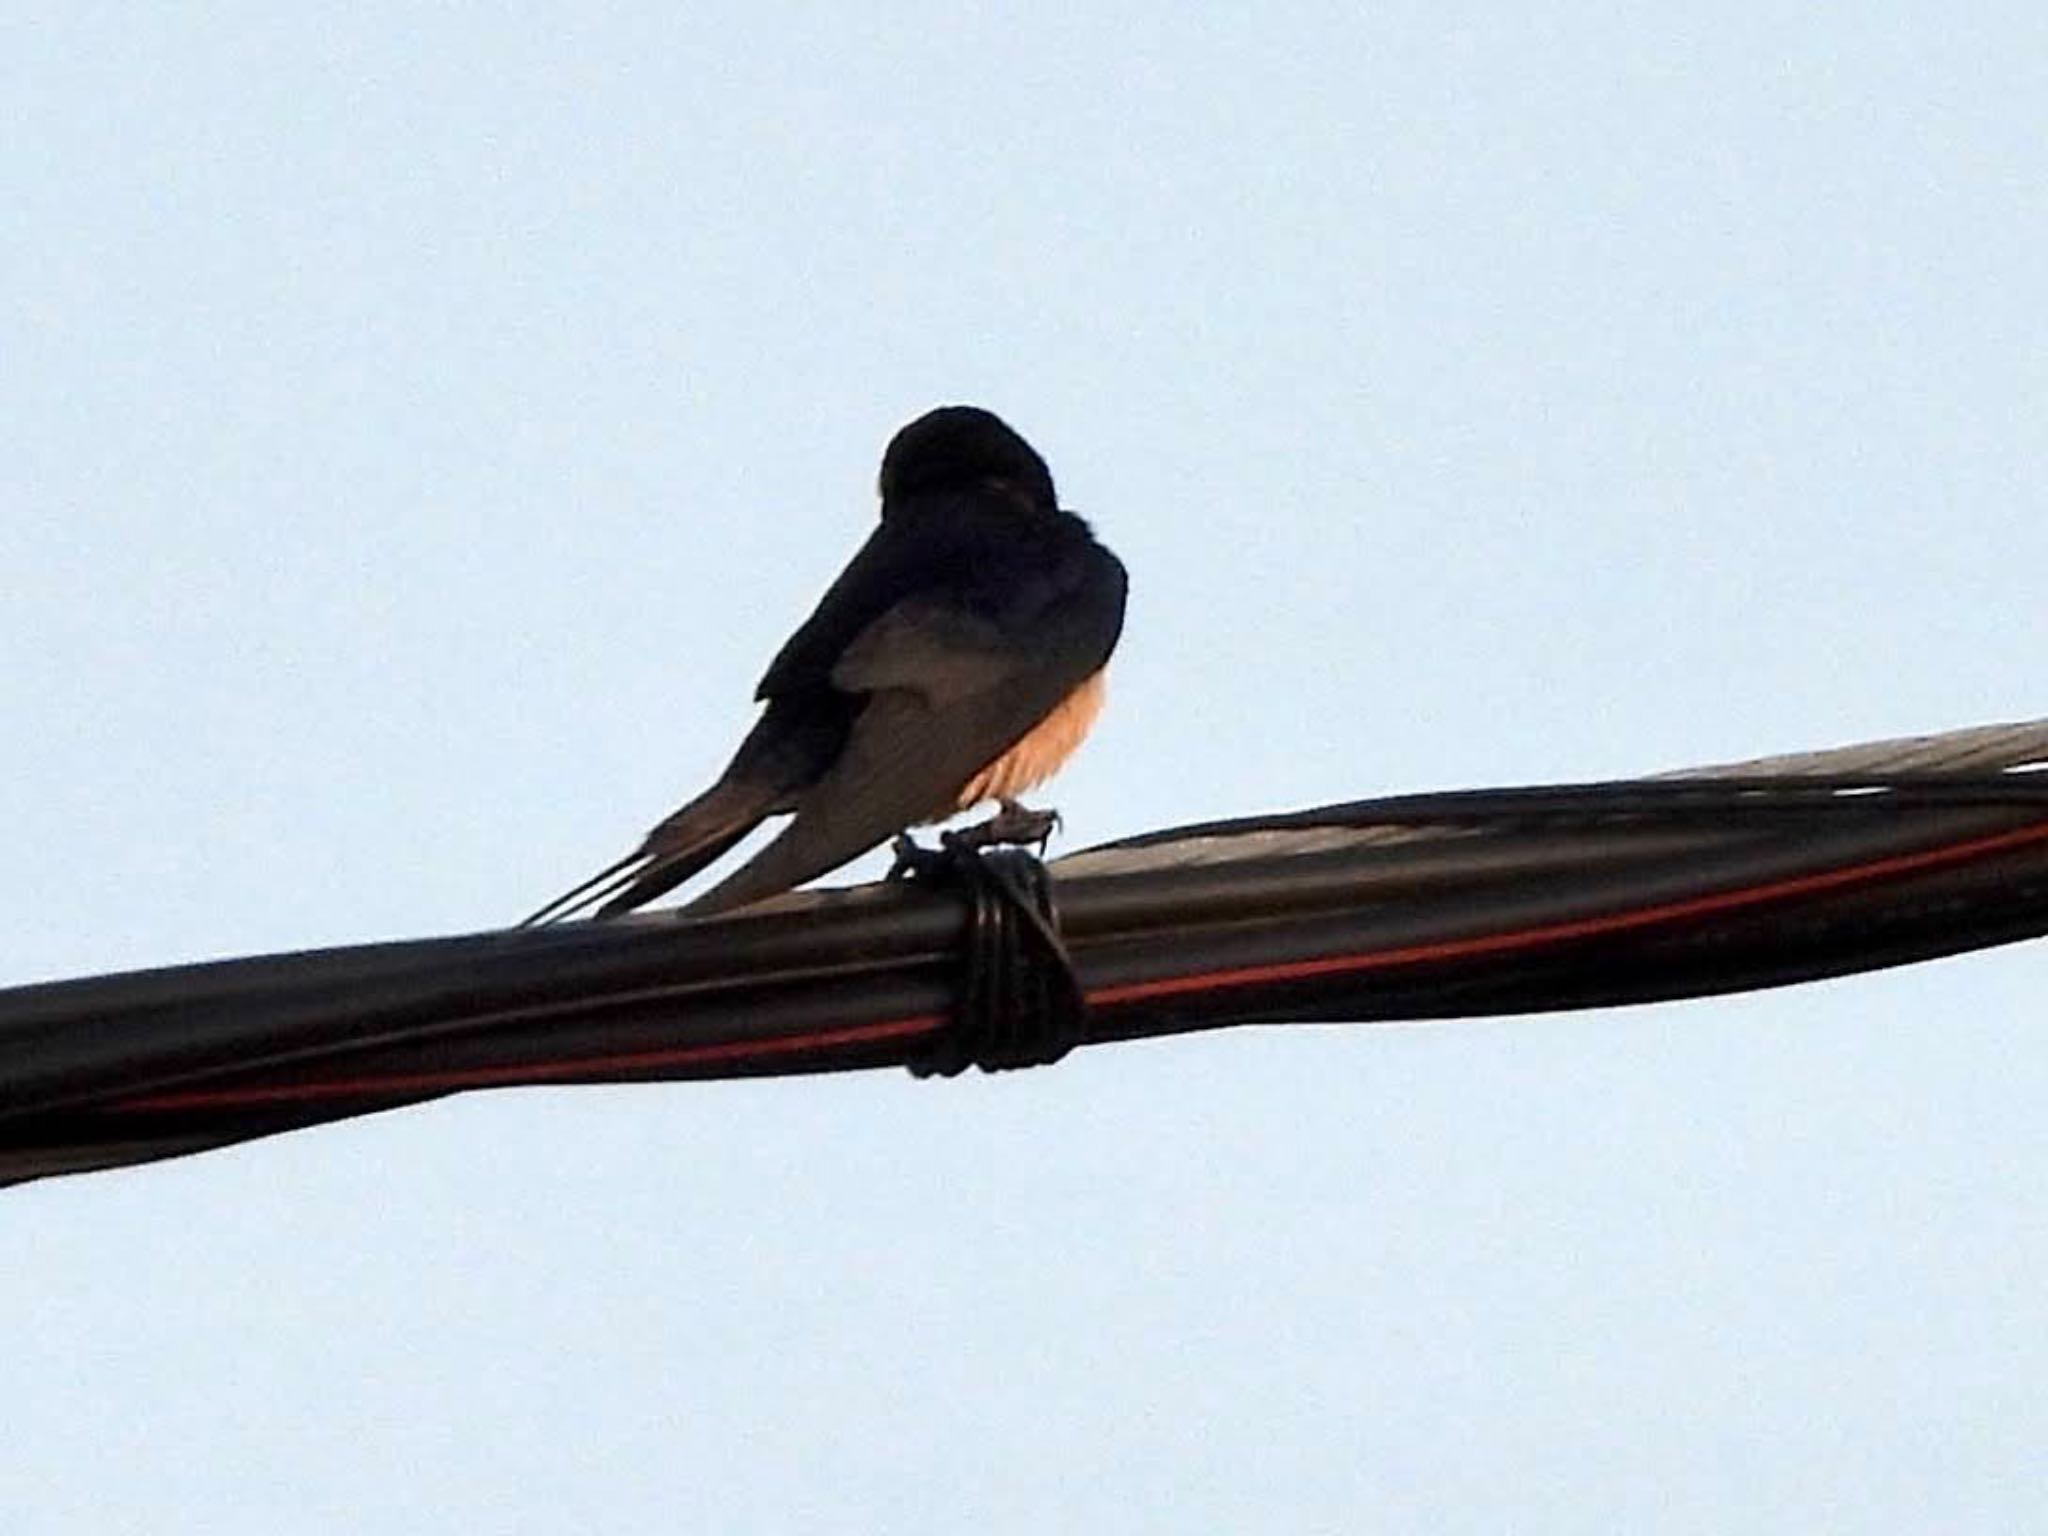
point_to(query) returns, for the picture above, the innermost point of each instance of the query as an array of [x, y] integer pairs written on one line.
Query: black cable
[[1602, 898]]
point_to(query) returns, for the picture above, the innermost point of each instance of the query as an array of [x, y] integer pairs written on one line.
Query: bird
[[958, 659]]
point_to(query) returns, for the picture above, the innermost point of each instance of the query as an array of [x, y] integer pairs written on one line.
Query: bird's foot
[[1012, 826], [914, 861]]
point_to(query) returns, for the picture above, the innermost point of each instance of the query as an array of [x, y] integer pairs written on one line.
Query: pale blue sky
[[419, 426]]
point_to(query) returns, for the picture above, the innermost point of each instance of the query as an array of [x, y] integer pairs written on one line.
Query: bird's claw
[[1012, 826], [913, 859]]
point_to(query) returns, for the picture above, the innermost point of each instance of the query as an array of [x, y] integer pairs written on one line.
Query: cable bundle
[[1427, 906]]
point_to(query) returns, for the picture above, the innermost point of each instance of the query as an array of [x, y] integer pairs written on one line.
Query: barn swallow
[[957, 659]]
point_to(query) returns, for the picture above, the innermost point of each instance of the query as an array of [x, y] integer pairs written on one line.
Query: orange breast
[[1037, 755]]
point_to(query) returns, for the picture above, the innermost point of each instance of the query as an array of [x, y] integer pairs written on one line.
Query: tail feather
[[682, 845], [798, 854], [664, 874], [578, 897]]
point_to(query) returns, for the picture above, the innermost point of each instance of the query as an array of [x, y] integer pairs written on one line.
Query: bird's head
[[963, 448]]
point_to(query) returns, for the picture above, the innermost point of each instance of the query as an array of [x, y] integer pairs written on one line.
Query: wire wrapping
[[1020, 1004]]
